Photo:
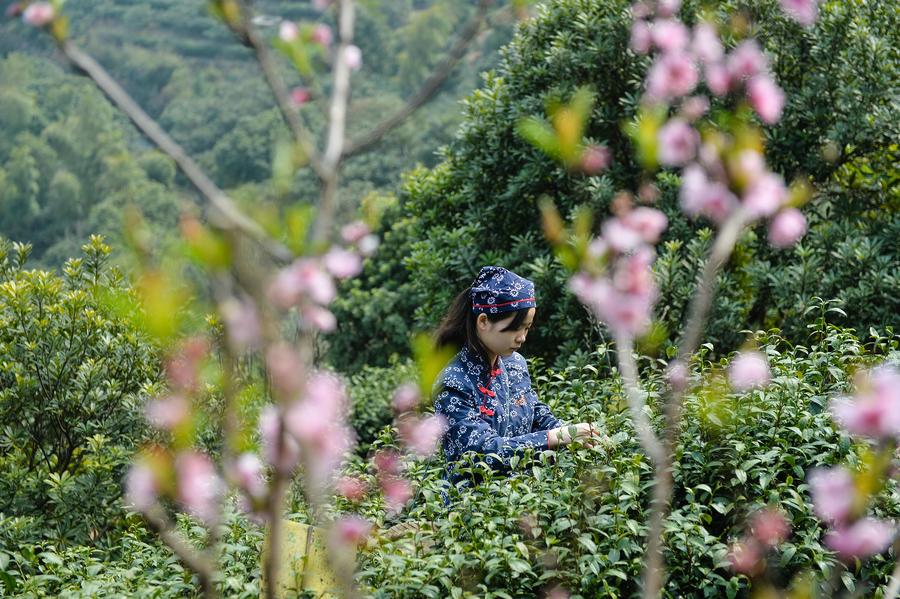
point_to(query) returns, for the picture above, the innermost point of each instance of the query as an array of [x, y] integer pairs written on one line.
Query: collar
[[478, 367]]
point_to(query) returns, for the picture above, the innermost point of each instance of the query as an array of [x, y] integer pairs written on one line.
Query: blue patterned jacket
[[490, 412]]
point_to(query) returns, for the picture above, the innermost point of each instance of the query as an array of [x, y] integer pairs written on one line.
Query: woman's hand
[[584, 431]]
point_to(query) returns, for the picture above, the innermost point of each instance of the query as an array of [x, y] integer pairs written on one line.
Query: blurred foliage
[[481, 204], [73, 379]]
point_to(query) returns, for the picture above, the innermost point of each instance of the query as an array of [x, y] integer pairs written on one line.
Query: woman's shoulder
[[454, 375]]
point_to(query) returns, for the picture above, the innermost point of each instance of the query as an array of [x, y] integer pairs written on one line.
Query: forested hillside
[[186, 70]]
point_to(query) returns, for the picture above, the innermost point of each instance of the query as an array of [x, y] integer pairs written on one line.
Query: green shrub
[[479, 206], [576, 518], [73, 378], [371, 391]]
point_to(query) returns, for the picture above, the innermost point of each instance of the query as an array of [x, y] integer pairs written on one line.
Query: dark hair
[[457, 328]]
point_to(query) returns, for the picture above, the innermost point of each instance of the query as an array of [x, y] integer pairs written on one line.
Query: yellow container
[[303, 564]]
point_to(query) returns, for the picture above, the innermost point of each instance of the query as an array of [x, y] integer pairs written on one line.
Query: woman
[[485, 392]]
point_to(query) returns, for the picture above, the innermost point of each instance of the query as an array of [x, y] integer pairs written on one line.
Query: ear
[[482, 322]]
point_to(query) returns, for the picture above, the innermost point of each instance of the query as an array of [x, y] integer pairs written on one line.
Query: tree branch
[[229, 216], [654, 570], [429, 87], [302, 136], [337, 123]]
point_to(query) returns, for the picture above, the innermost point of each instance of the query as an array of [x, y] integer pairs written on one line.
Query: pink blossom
[[241, 323], [595, 159], [765, 195], [268, 431], [368, 244], [746, 558], [677, 142], [303, 277], [748, 370], [833, 493], [862, 539], [747, 60], [641, 10], [322, 35], [700, 196], [766, 98], [677, 375], [747, 167], [406, 398], [318, 318], [285, 369], [288, 31], [300, 96], [641, 38], [141, 486], [624, 313], [199, 487], [247, 472], [620, 237], [39, 14], [667, 8], [670, 35], [598, 248], [804, 12], [397, 491], [718, 78], [182, 368], [168, 412], [312, 419], [648, 222], [387, 462], [787, 228], [672, 75], [353, 57], [633, 274], [342, 263], [421, 436], [350, 487], [875, 410], [706, 45], [351, 530], [694, 107], [770, 527], [355, 231]]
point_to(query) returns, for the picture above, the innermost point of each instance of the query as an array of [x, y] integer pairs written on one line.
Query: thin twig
[[303, 137], [229, 216], [337, 124], [635, 397], [701, 302], [198, 562], [428, 89]]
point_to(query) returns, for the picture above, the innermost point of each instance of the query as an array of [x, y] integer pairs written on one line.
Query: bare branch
[[302, 136], [193, 559], [654, 571], [226, 214], [636, 404], [337, 123], [429, 87]]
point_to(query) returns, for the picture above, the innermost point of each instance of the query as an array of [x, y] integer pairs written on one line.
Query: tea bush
[[576, 518], [479, 206], [73, 378]]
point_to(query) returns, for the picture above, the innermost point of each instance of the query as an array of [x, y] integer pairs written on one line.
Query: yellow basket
[[303, 564]]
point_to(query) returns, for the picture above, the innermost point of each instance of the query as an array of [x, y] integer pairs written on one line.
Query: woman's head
[[492, 316]]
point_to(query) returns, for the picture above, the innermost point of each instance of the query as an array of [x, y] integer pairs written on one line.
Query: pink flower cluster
[[309, 283], [713, 186], [397, 490], [768, 529], [874, 412], [622, 296], [836, 501], [749, 369], [190, 477]]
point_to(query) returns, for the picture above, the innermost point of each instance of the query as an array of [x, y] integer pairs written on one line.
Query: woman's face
[[500, 342]]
